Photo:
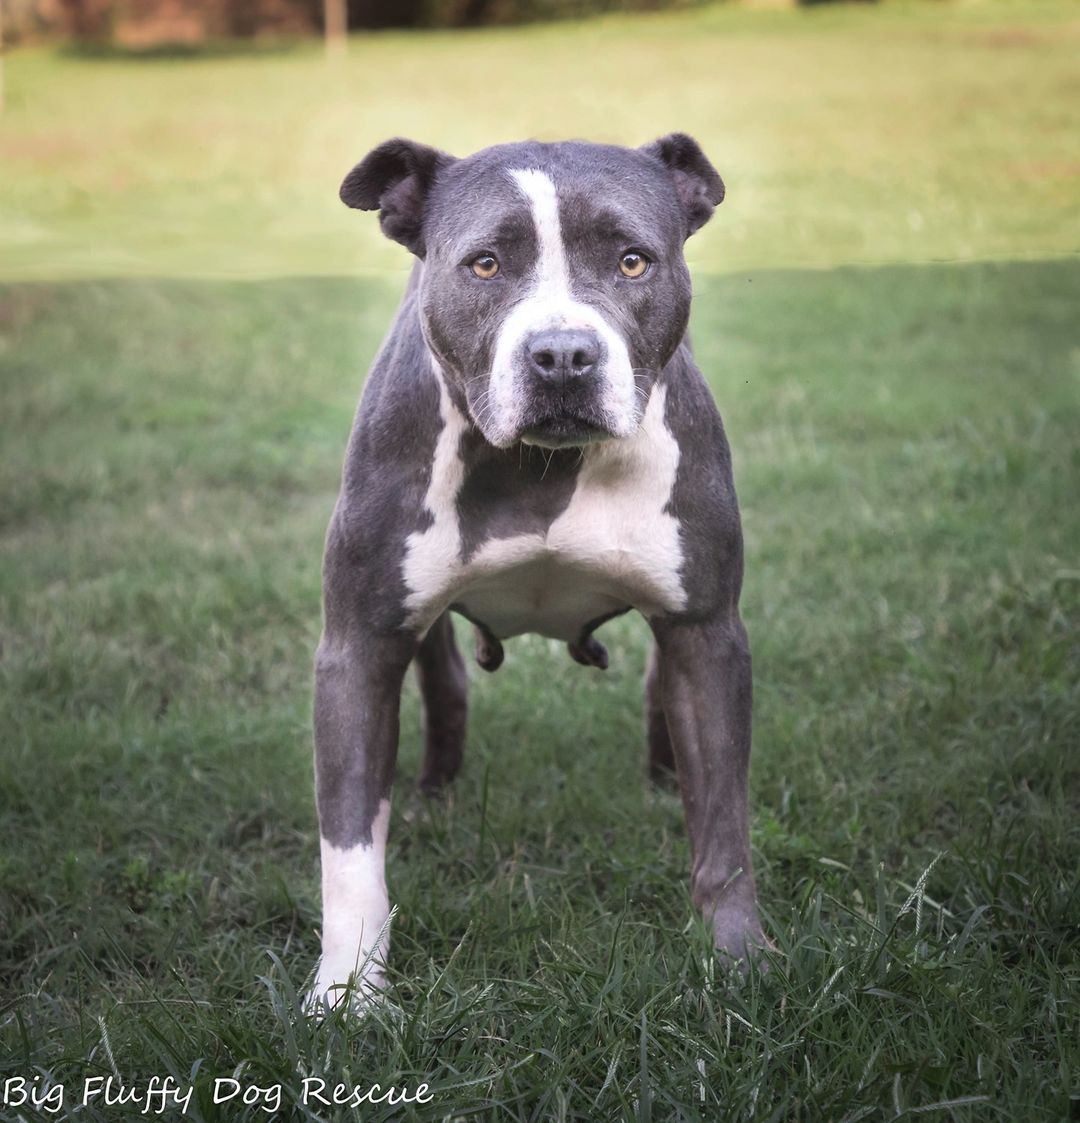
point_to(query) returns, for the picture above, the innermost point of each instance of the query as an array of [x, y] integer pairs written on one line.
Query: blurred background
[[886, 310], [141, 140]]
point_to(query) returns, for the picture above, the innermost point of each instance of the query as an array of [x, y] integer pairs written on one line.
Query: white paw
[[337, 984]]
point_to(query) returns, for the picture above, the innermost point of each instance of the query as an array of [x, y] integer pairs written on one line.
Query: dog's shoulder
[[388, 466], [703, 497]]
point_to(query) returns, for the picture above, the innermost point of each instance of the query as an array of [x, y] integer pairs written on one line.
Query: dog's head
[[554, 288]]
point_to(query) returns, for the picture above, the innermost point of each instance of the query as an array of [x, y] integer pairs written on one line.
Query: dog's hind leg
[[661, 753], [440, 671]]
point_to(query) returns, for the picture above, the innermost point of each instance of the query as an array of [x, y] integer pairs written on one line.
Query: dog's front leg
[[358, 681], [705, 683]]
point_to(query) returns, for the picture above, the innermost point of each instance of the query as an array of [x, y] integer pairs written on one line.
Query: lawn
[[886, 308]]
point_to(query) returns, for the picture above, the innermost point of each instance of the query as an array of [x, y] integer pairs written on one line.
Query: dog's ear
[[697, 183], [395, 179]]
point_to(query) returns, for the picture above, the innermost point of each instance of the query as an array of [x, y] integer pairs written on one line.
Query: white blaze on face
[[355, 912], [550, 304]]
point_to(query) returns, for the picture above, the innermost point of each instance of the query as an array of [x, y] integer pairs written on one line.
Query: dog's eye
[[633, 264], [485, 266]]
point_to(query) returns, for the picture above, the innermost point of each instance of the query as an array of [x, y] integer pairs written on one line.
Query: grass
[[881, 135], [905, 442]]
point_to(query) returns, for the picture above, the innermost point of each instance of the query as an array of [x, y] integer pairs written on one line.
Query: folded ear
[[395, 178], [696, 181]]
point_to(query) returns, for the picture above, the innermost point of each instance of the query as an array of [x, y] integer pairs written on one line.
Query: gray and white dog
[[534, 450]]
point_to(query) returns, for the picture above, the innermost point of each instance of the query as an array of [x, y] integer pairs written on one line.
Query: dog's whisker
[[547, 463]]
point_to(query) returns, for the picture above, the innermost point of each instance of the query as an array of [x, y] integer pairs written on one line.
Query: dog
[[536, 451]]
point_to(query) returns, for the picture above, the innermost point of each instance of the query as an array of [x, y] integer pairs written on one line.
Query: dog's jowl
[[534, 450]]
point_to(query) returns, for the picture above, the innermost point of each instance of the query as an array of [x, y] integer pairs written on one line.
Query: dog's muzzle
[[564, 383]]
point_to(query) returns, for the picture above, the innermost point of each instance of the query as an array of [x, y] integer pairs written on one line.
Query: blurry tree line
[[147, 22]]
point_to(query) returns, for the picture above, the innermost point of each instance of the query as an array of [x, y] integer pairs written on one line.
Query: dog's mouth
[[565, 430]]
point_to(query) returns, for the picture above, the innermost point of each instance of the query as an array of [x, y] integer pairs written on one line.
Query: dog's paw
[[739, 939], [334, 989]]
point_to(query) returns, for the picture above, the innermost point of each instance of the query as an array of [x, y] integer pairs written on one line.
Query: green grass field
[[886, 307]]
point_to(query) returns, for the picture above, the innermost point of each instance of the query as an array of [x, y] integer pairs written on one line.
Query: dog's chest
[[614, 546]]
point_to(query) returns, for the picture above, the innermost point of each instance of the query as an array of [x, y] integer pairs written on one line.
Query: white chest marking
[[613, 546], [431, 554]]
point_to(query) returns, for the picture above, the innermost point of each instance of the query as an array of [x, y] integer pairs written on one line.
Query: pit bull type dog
[[534, 450]]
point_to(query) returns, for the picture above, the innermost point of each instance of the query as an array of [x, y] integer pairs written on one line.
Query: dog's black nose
[[556, 357]]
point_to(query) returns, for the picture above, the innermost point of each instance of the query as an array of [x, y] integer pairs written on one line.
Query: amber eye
[[633, 264], [485, 266]]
